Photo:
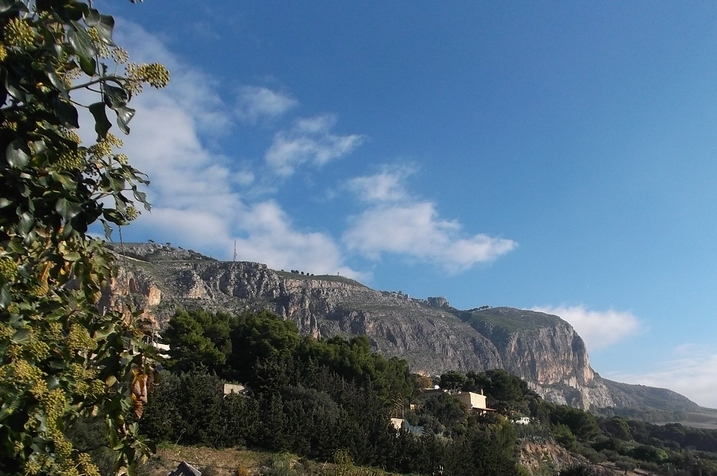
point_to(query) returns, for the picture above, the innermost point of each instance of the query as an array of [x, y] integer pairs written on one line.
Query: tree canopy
[[60, 356]]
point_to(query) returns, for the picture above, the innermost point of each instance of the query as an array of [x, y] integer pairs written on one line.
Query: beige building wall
[[473, 400]]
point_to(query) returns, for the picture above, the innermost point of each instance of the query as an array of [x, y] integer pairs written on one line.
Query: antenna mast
[[235, 250]]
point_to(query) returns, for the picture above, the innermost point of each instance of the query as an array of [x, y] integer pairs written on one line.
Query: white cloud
[[396, 223], [692, 374], [194, 191], [310, 140], [244, 177], [386, 186], [599, 329], [257, 102], [202, 199], [272, 241], [192, 90]]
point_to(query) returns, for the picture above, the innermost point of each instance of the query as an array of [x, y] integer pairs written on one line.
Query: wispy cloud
[[397, 223], [194, 91], [271, 240], [205, 200], [256, 103], [195, 192], [692, 373], [599, 329], [309, 141], [386, 186]]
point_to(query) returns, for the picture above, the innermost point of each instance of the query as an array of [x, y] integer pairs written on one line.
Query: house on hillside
[[401, 424], [474, 401], [237, 388]]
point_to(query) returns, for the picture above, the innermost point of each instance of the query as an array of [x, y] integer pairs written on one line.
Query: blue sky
[[543, 155]]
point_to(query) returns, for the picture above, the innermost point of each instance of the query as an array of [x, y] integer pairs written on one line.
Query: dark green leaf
[[102, 124], [140, 196], [81, 42], [3, 80], [114, 217], [57, 364], [21, 336], [115, 97], [67, 209], [108, 230], [26, 223], [66, 113], [17, 154], [42, 427], [8, 408], [14, 90], [29, 238], [5, 202], [5, 296], [88, 65], [124, 115], [6, 5], [16, 247], [104, 24], [52, 382], [92, 17], [116, 184], [56, 81], [67, 231], [72, 256], [67, 183], [38, 146]]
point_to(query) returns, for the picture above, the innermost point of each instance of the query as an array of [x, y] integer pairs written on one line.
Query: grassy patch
[[322, 277], [510, 320], [245, 462]]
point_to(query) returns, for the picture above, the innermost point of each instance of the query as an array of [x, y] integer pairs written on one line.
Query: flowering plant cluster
[[61, 356]]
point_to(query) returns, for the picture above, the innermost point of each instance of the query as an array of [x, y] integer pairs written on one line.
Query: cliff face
[[431, 335]]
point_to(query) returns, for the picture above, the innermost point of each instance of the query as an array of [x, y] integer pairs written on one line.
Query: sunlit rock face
[[431, 335]]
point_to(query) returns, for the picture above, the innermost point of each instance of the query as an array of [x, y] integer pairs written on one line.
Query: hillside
[[430, 334]]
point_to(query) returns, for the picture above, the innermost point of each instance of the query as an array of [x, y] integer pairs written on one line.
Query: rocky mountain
[[429, 333]]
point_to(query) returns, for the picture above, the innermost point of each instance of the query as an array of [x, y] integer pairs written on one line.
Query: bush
[[578, 470], [191, 409]]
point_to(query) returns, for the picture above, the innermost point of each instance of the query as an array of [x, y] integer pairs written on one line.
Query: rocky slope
[[430, 334]]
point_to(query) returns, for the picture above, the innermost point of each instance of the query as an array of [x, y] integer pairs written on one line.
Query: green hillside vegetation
[[321, 277], [506, 319], [327, 399]]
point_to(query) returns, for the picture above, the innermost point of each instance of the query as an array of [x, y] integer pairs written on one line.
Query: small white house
[[522, 421], [230, 388]]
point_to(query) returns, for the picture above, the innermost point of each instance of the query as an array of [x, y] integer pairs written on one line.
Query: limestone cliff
[[430, 334]]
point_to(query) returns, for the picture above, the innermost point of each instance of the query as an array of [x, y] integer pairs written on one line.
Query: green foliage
[[354, 360], [578, 470], [198, 338], [649, 453], [264, 350], [452, 380], [580, 423], [60, 357], [616, 427], [259, 337], [190, 409], [443, 415], [487, 450], [564, 436], [316, 397]]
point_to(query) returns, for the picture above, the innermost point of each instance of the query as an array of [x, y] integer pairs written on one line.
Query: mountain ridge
[[429, 333]]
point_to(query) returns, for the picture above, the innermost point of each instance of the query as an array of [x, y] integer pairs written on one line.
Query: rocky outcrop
[[430, 334]]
